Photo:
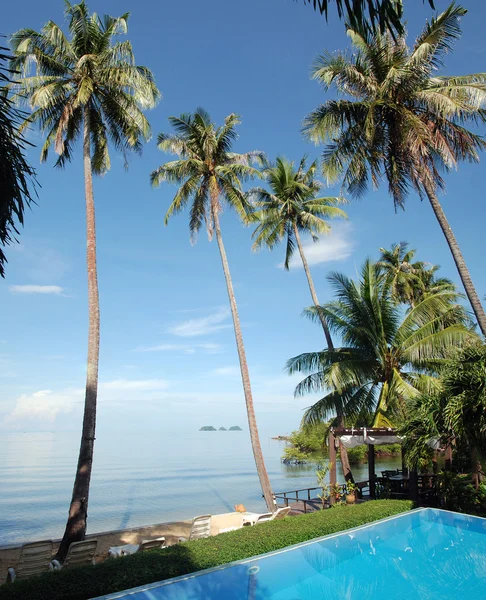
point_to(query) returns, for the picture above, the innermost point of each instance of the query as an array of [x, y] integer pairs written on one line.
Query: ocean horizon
[[139, 478]]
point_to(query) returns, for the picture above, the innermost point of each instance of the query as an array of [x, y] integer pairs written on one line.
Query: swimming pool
[[427, 554]]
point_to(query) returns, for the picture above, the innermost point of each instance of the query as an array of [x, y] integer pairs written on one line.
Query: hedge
[[118, 574]]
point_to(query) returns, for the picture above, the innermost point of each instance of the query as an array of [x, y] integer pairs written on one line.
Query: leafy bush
[[139, 569], [359, 454], [457, 493]]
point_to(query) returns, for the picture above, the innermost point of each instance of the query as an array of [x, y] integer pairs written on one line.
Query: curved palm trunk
[[245, 376], [78, 511], [348, 475], [457, 256], [312, 289]]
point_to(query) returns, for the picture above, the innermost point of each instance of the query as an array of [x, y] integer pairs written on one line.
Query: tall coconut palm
[[17, 177], [386, 358], [410, 281], [210, 176], [87, 87], [400, 120], [290, 208]]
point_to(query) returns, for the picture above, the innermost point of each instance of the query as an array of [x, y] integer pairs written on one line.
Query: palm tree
[[292, 208], [410, 281], [289, 208], [90, 88], [386, 14], [401, 120], [455, 414], [209, 174], [16, 175], [386, 358]]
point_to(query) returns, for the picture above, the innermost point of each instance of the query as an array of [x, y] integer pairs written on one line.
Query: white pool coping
[[158, 584]]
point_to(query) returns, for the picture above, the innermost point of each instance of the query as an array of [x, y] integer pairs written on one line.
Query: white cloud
[[185, 348], [135, 385], [45, 405], [226, 371], [338, 245], [39, 261], [36, 289], [203, 325]]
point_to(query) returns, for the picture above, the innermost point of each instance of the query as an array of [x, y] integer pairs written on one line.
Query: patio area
[[399, 484]]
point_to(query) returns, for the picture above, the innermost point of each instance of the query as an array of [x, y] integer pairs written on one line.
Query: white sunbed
[[79, 553], [35, 558], [280, 513], [200, 528], [126, 549]]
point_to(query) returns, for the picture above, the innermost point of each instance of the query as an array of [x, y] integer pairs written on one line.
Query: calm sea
[[137, 479]]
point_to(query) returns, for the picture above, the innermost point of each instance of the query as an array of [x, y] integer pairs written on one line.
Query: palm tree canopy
[[386, 357], [387, 14], [456, 413], [207, 171], [397, 118], [291, 202], [411, 281], [86, 75], [17, 177]]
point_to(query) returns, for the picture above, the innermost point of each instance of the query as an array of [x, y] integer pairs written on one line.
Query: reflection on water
[[137, 479]]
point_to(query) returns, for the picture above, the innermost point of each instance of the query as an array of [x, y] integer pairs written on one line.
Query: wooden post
[[413, 485], [448, 457], [332, 460], [371, 469], [404, 466], [435, 466]]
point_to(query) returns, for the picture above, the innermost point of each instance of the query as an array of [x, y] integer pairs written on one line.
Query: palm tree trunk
[[245, 376], [457, 256], [312, 289], [78, 511], [348, 475]]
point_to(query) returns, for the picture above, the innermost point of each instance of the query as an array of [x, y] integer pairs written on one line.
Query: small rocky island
[[211, 428]]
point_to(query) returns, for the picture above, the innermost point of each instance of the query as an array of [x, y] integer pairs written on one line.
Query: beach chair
[[200, 528], [35, 558], [280, 513], [126, 549], [79, 553]]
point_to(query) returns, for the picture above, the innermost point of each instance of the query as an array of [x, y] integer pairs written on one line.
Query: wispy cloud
[[338, 245], [135, 385], [39, 261], [184, 348], [46, 405], [226, 371], [204, 325], [36, 289]]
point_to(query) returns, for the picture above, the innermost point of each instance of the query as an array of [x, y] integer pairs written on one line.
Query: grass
[[139, 569]]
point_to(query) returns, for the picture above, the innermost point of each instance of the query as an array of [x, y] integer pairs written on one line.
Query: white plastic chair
[[200, 528], [126, 549], [35, 558], [79, 553]]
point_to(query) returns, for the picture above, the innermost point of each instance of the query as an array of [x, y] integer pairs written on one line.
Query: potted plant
[[321, 473], [336, 492], [351, 489]]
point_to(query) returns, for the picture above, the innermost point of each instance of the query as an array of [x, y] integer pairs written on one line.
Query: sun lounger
[[35, 558], [79, 553], [280, 513], [200, 528], [126, 549]]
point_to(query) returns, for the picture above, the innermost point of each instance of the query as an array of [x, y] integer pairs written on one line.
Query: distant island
[[211, 428]]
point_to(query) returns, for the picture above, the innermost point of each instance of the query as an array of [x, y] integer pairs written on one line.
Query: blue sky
[[168, 357]]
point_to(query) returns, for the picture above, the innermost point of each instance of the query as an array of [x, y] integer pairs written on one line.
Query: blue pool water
[[428, 554]]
